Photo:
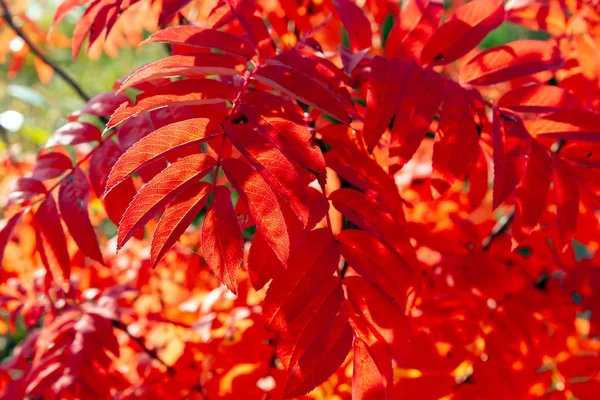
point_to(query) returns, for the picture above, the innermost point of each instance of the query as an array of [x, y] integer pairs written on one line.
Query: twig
[[8, 17], [121, 326], [504, 222]]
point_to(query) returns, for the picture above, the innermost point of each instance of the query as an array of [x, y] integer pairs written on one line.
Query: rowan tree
[[314, 199]]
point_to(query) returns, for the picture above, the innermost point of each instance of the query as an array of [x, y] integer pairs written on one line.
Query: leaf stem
[[8, 17]]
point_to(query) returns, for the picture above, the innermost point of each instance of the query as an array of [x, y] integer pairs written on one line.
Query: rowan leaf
[[195, 36], [568, 125], [321, 359], [456, 146], [262, 204], [308, 91], [385, 319], [418, 21], [73, 199], [189, 66], [296, 284], [511, 143], [318, 312], [25, 189], [366, 213], [566, 193], [222, 243], [284, 127], [276, 169], [510, 61], [385, 85], [160, 144], [74, 133], [540, 99], [394, 275], [262, 262], [532, 191], [52, 243], [176, 219], [162, 190], [465, 28], [6, 233], [184, 92], [104, 104], [372, 373], [364, 173], [418, 104], [356, 23], [50, 166]]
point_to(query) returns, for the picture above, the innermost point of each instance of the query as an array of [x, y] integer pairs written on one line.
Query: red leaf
[[313, 261], [160, 191], [50, 166], [372, 377], [532, 191], [364, 173], [284, 127], [317, 313], [262, 204], [92, 22], [25, 189], [306, 90], [284, 177], [52, 243], [321, 359], [169, 9], [356, 23], [510, 61], [419, 19], [417, 107], [188, 66], [385, 85], [160, 144], [252, 22], [222, 242], [183, 92], [540, 99], [366, 213], [64, 9], [457, 139], [102, 161], [194, 36], [566, 192], [104, 104], [394, 275], [568, 125], [7, 230], [73, 199], [478, 180], [511, 144], [177, 217], [467, 26], [74, 133], [262, 262], [385, 319]]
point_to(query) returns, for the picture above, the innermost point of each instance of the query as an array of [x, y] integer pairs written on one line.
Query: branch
[[8, 17], [121, 326], [504, 222]]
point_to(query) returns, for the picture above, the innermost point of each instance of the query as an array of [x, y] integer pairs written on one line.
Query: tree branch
[[8, 17]]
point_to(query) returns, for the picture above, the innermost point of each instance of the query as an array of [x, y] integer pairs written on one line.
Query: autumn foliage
[[320, 199]]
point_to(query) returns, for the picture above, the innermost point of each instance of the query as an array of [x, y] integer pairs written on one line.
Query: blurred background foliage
[[44, 107]]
